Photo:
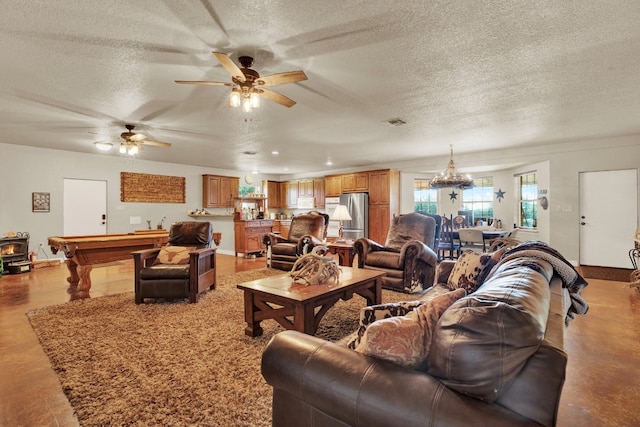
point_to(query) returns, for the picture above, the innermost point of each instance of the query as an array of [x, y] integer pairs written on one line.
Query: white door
[[608, 217], [85, 207]]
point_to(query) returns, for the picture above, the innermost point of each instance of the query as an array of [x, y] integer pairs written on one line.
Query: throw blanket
[[571, 279]]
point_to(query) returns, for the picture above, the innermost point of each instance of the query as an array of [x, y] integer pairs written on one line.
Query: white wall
[[563, 162], [28, 169]]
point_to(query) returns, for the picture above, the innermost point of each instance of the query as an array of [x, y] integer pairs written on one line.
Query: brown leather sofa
[[408, 256], [306, 231], [496, 359]]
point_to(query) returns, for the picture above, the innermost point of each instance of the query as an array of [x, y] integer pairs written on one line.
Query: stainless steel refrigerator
[[358, 206]]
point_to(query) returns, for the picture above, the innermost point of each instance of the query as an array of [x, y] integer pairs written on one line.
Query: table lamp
[[341, 214]]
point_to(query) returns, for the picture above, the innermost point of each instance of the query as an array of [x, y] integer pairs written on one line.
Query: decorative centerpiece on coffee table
[[315, 268]]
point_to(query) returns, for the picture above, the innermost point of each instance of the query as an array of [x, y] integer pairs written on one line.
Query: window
[[479, 199], [425, 198], [528, 200]]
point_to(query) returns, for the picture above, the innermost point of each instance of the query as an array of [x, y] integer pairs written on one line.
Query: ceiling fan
[[249, 86], [131, 142]]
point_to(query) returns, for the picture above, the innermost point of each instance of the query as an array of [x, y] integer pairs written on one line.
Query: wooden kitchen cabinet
[[355, 182], [318, 191], [384, 202], [305, 188], [219, 191], [333, 186], [249, 236], [291, 194], [379, 221], [274, 201]]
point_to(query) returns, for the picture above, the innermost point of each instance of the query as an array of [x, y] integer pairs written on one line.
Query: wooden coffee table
[[279, 298]]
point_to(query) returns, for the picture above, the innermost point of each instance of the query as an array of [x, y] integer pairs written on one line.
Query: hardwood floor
[[603, 346]]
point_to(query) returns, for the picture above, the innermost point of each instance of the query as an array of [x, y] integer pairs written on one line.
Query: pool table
[[82, 252]]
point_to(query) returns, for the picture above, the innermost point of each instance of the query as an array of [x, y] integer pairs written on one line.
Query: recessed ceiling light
[[255, 172], [329, 163], [275, 153], [286, 169]]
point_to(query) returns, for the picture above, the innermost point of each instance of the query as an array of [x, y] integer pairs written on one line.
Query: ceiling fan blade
[[137, 137], [201, 82], [277, 98], [156, 143], [230, 66], [282, 78]]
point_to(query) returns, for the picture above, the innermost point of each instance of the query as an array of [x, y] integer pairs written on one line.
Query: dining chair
[[472, 239], [459, 221], [448, 248]]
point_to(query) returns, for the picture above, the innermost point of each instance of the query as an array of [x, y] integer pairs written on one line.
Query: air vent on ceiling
[[396, 122]]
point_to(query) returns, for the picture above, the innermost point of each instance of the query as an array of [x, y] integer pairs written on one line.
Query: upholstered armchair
[[408, 256], [307, 230], [184, 268]]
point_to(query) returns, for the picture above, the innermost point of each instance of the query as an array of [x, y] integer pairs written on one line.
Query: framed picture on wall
[[40, 202]]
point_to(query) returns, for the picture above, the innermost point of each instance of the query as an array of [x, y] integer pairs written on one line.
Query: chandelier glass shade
[[246, 97], [103, 146], [451, 178], [128, 148]]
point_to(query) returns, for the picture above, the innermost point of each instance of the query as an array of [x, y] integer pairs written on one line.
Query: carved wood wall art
[[148, 188]]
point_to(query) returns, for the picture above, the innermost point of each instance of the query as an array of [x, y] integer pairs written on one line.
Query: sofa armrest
[[271, 239], [307, 243], [419, 263], [330, 382], [363, 246], [144, 257]]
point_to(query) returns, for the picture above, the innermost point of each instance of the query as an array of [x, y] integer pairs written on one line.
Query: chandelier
[[451, 178]]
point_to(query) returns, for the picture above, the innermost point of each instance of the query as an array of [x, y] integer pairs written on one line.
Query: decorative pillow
[[405, 340], [370, 314], [173, 255], [471, 269]]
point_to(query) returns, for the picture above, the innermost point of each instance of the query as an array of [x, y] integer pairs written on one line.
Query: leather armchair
[[189, 272], [307, 230], [408, 256]]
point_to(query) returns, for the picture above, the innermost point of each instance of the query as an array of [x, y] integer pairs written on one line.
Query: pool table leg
[[79, 275]]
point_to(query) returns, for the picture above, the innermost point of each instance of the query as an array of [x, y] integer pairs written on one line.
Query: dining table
[[487, 233]]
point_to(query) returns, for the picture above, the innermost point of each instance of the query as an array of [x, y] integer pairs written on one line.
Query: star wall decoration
[[500, 194], [453, 196]]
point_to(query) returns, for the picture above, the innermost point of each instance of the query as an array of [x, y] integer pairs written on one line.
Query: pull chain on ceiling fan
[[248, 86]]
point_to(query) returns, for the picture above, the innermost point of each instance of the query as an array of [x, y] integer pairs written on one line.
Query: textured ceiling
[[476, 74]]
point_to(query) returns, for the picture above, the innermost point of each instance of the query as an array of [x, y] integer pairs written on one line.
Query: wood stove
[[15, 253]]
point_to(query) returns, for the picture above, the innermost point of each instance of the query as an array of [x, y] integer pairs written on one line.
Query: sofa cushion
[[484, 340], [471, 269], [173, 255], [405, 340]]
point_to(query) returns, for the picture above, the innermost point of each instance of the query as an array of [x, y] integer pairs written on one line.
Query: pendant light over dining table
[[451, 178]]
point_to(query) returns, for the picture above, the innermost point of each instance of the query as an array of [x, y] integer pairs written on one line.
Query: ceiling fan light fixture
[[123, 149], [246, 105], [103, 146], [254, 98], [451, 178], [133, 150], [234, 99]]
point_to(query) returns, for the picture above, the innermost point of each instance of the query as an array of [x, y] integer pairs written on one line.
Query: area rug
[[170, 363]]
